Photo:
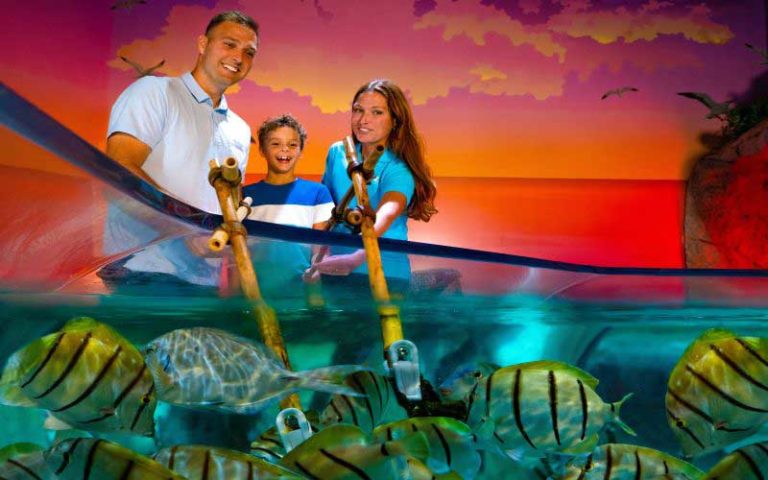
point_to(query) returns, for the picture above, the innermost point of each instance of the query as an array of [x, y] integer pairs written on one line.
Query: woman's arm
[[392, 205]]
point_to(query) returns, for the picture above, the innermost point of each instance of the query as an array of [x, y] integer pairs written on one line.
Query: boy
[[281, 197]]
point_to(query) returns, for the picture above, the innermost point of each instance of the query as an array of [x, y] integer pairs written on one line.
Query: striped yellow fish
[[461, 381], [196, 462], [540, 407], [24, 461], [618, 461], [377, 403], [343, 452], [87, 376], [268, 446], [452, 445], [746, 463], [717, 393], [89, 458], [419, 471]]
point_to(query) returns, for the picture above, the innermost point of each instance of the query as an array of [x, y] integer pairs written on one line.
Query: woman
[[402, 185]]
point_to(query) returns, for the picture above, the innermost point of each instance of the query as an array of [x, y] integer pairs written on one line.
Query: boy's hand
[[339, 264]]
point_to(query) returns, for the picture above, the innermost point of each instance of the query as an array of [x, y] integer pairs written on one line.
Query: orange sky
[[501, 91], [496, 92]]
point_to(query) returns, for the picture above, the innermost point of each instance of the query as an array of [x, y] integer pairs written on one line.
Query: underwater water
[[629, 348]]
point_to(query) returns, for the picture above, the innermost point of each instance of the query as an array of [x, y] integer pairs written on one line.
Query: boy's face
[[282, 150]]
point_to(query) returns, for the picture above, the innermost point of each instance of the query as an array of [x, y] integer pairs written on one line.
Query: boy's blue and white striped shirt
[[301, 203]]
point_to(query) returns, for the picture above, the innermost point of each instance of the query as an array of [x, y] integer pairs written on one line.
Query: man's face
[[227, 53]]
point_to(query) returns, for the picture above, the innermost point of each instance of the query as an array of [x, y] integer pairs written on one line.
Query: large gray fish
[[746, 463], [211, 368], [24, 461], [452, 445], [197, 462], [717, 393], [540, 407], [618, 461], [376, 403], [87, 376], [89, 458]]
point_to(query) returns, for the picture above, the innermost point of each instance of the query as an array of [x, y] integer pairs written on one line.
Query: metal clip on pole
[[404, 357], [293, 428]]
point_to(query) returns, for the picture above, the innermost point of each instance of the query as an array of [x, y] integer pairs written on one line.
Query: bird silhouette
[[716, 110], [324, 14], [618, 92], [142, 72], [126, 4], [760, 51]]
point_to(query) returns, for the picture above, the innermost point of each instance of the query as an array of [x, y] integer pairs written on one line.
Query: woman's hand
[[336, 265], [392, 205]]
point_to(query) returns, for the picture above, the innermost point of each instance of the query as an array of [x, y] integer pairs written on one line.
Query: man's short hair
[[233, 16], [284, 120]]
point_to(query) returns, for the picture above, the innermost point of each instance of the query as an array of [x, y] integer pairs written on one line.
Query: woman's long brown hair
[[405, 141]]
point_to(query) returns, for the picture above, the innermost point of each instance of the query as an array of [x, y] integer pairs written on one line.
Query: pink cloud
[[326, 59], [650, 21], [477, 22], [585, 57], [530, 6], [322, 55]]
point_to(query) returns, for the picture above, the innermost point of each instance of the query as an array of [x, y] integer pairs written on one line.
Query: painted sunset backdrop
[[528, 157]]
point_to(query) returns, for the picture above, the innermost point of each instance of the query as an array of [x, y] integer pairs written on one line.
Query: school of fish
[[538, 420]]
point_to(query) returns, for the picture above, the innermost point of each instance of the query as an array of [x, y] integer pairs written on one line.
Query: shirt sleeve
[[140, 111], [323, 205], [398, 178], [243, 164]]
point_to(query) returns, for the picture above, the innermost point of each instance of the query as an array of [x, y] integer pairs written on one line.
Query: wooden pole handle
[[226, 192], [389, 314]]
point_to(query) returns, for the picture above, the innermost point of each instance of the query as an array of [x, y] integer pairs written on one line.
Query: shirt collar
[[197, 91]]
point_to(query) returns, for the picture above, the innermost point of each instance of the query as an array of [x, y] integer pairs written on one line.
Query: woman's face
[[371, 119]]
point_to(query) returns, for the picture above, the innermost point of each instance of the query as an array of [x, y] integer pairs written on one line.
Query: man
[[165, 130]]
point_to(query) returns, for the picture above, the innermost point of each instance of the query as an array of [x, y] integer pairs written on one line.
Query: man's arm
[[129, 152]]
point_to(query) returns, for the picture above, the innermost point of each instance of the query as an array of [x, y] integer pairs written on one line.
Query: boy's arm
[[320, 225]]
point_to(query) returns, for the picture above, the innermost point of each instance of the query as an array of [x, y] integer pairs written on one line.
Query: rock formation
[[726, 207]]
